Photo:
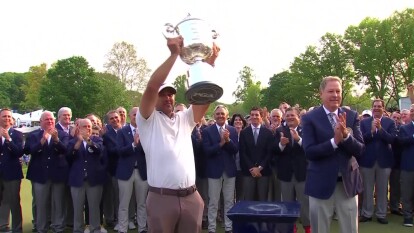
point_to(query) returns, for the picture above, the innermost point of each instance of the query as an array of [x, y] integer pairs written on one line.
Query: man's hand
[[136, 139], [45, 137], [212, 59], [55, 135], [175, 45], [283, 140], [341, 119], [255, 172], [226, 135], [338, 136], [294, 134], [5, 133]]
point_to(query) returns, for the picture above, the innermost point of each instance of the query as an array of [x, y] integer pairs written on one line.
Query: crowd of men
[[258, 157], [170, 170]]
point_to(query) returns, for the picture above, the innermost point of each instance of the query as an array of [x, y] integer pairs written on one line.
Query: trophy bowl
[[198, 46]]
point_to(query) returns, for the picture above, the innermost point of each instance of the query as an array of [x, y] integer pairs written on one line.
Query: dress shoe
[[382, 220], [364, 219], [228, 232], [396, 212]]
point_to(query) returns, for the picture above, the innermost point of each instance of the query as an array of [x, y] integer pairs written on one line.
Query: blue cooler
[[264, 217]]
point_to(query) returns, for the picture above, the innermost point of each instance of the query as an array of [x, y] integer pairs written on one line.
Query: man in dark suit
[[48, 171], [131, 173], [200, 167], [395, 184], [86, 176], [331, 139], [11, 149], [110, 189], [63, 124], [291, 164], [220, 147], [406, 140], [379, 133], [256, 145]]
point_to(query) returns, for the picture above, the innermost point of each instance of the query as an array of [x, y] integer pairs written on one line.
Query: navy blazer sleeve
[[15, 147]]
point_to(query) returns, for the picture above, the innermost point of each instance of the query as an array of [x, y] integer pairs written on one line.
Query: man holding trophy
[[173, 203]]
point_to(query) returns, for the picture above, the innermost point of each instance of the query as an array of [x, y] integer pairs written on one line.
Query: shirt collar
[[327, 111]]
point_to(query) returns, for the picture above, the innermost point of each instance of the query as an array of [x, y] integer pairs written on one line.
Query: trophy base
[[203, 93]]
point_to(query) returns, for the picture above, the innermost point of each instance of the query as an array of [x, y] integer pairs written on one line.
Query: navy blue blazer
[[200, 159], [128, 156], [406, 140], [47, 161], [325, 162], [292, 160], [10, 152], [220, 159], [86, 163], [378, 145], [111, 149], [59, 127], [252, 155]]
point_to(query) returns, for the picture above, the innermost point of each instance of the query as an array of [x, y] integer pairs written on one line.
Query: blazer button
[[48, 157], [86, 161]]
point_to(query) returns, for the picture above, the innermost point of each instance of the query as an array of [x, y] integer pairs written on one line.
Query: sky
[[265, 35]]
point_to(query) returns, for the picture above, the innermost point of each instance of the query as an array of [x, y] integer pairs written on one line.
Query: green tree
[[71, 82], [112, 94], [276, 92], [180, 84], [11, 94], [124, 63], [244, 81], [373, 51], [253, 96], [32, 88]]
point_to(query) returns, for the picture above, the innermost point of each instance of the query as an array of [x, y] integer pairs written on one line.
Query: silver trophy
[[198, 44]]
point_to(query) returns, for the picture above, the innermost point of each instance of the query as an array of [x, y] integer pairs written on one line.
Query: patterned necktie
[[255, 134], [331, 116]]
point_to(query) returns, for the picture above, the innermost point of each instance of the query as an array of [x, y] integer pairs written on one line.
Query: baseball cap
[[167, 85], [367, 112]]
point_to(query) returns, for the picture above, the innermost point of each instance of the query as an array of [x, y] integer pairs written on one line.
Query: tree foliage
[[32, 89], [180, 84], [244, 81], [112, 94], [11, 93], [124, 63], [71, 82]]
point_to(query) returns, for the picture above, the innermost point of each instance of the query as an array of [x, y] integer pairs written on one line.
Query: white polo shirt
[[168, 148]]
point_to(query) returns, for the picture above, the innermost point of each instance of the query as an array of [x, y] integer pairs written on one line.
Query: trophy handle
[[170, 31], [215, 34]]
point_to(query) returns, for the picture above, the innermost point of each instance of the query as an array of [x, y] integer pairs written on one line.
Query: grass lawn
[[395, 222]]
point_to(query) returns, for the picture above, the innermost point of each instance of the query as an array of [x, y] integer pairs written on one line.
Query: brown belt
[[174, 192]]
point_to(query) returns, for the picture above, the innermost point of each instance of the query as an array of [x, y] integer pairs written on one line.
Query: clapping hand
[[283, 140]]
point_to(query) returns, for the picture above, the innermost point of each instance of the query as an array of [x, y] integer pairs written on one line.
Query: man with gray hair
[[64, 117], [48, 171]]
